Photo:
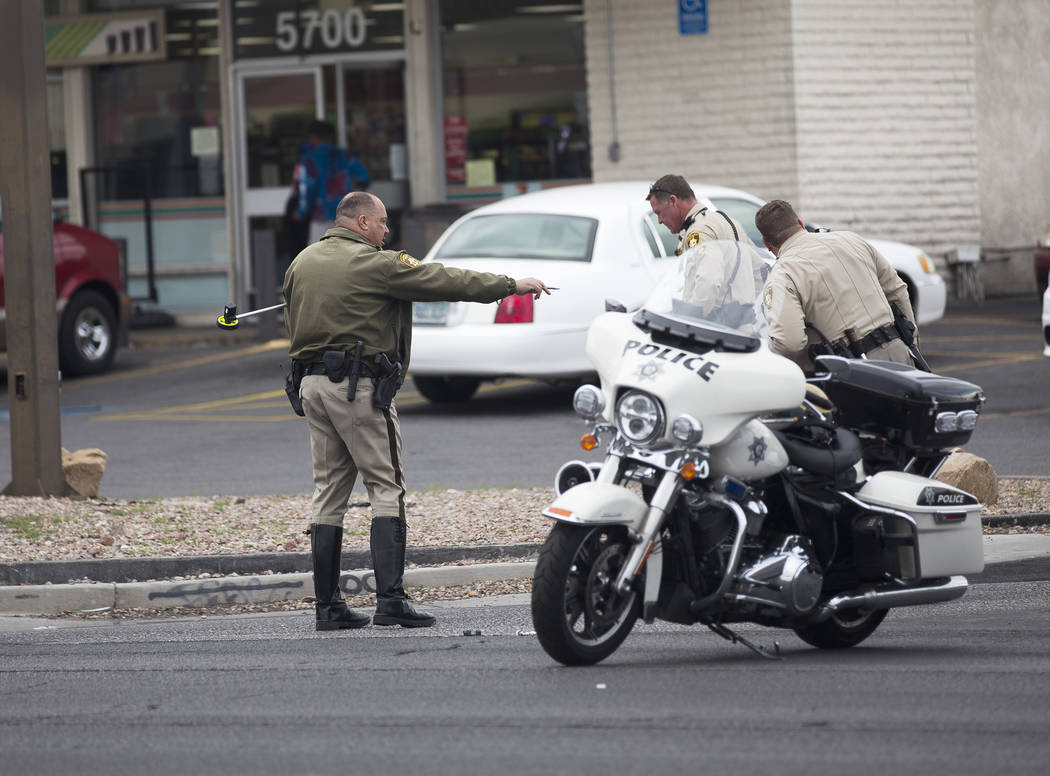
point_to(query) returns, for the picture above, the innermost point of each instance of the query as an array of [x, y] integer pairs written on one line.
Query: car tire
[[447, 390], [87, 334]]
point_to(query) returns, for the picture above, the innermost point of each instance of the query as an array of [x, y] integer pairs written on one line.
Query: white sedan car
[[1046, 321], [592, 242]]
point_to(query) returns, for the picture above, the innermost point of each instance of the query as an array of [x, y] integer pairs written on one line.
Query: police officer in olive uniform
[[829, 291], [349, 318], [675, 205]]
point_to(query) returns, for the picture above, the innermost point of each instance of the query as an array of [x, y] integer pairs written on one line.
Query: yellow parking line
[[193, 412], [157, 416], [976, 337], [1003, 359], [276, 344], [987, 321]]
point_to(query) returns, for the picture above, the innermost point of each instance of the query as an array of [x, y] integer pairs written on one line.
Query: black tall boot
[[326, 545], [388, 562]]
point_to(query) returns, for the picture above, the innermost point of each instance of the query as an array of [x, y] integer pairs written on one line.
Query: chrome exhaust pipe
[[890, 599]]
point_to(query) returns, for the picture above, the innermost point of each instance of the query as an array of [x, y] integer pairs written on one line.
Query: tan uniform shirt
[[832, 281], [343, 289], [703, 223]]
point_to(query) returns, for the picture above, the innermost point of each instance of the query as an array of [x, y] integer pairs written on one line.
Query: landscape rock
[[83, 470], [971, 473]]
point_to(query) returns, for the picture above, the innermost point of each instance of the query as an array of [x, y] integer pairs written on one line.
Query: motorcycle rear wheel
[[844, 629], [579, 618]]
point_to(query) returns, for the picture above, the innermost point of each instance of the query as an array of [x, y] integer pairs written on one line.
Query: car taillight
[[515, 309]]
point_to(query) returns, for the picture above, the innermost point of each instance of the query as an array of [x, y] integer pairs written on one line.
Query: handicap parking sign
[[692, 17]]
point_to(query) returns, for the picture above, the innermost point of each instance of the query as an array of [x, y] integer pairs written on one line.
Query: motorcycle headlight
[[588, 401], [687, 430], [640, 417]]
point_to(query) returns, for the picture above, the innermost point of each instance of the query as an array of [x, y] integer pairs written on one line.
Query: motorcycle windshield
[[717, 285]]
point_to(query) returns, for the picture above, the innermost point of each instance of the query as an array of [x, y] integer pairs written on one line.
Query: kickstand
[[736, 638]]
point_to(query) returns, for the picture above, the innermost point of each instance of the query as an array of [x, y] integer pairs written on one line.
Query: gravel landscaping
[[37, 529]]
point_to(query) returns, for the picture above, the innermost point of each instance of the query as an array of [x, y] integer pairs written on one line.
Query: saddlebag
[[917, 409], [940, 536]]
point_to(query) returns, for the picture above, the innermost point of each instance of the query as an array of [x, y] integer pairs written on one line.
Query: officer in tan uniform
[[829, 290], [349, 317], [675, 205]]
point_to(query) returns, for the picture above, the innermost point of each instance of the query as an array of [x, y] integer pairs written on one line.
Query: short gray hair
[[356, 203]]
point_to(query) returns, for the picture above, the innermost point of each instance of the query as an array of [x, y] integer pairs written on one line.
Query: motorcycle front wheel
[[579, 618], [844, 629]]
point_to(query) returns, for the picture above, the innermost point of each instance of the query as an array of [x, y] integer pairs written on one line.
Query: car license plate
[[430, 313]]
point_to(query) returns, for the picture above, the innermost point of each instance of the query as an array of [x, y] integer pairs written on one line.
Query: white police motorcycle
[[733, 489]]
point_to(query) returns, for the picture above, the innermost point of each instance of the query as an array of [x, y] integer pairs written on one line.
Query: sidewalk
[[253, 579]]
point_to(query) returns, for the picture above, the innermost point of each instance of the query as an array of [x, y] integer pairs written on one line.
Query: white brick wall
[[716, 108], [885, 101], [861, 113]]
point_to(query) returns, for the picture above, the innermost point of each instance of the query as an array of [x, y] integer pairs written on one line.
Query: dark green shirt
[[342, 290]]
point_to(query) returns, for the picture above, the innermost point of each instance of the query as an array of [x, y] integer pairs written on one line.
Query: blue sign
[[692, 17]]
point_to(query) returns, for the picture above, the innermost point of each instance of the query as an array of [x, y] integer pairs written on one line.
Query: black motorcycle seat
[[821, 449]]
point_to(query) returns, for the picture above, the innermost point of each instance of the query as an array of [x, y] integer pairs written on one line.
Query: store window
[[374, 106], [161, 119], [515, 92], [56, 136]]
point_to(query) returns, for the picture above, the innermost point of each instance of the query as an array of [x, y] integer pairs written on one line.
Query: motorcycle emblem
[[757, 450], [650, 370]]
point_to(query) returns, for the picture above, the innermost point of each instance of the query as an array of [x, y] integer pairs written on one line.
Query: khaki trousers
[[347, 438], [895, 350]]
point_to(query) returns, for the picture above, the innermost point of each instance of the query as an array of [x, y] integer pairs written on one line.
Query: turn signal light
[[588, 441], [927, 267], [515, 309], [687, 470]]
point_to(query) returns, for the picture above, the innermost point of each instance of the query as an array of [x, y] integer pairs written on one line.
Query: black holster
[[385, 381], [293, 379]]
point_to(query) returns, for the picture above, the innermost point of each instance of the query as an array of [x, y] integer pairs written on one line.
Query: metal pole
[[25, 187]]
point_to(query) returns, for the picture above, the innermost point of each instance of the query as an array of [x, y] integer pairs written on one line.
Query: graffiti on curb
[[253, 590], [208, 592], [358, 584]]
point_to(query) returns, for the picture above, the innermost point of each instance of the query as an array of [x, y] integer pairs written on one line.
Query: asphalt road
[[214, 421], [956, 689]]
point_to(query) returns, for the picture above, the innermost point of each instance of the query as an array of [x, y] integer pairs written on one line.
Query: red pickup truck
[[92, 309]]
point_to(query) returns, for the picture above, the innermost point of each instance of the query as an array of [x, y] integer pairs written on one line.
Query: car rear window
[[522, 235]]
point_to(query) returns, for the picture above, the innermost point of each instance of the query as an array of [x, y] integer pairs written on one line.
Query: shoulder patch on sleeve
[[408, 259], [767, 297], [692, 240]]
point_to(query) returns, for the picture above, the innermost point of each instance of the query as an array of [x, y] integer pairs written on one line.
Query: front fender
[[598, 503]]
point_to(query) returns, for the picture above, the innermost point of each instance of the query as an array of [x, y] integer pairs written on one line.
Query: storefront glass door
[[274, 108]]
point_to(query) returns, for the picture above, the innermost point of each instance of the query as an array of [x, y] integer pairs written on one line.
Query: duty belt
[[318, 368], [870, 341]]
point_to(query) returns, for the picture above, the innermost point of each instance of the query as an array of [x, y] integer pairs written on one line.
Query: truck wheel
[[87, 335]]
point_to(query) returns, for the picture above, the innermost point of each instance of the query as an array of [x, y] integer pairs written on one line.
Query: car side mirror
[[615, 306]]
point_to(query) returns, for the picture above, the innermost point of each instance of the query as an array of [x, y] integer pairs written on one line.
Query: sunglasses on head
[[654, 189]]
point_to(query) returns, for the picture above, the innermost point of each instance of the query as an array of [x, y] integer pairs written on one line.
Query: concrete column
[[25, 187], [423, 103], [80, 123], [80, 134]]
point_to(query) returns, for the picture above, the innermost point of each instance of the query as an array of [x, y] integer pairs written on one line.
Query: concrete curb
[[265, 588], [156, 568]]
